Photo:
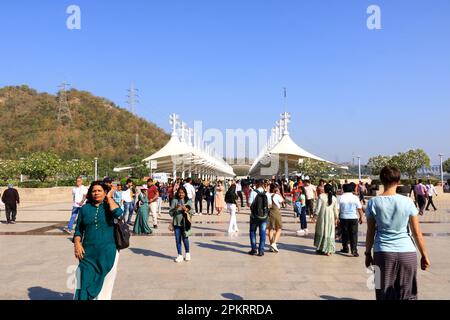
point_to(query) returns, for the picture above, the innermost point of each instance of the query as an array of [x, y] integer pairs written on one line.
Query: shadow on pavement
[[234, 244], [39, 293], [218, 247], [150, 253], [232, 296], [335, 298], [206, 228], [297, 248]]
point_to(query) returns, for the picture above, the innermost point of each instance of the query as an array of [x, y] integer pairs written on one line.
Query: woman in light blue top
[[389, 220]]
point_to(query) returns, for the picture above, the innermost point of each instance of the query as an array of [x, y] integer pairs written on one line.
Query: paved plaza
[[37, 261]]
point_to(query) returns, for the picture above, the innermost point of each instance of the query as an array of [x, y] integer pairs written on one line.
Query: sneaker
[[179, 259], [66, 230], [12, 222], [356, 254], [274, 247], [306, 231], [344, 251], [300, 232], [188, 257], [261, 254], [252, 252], [155, 226]]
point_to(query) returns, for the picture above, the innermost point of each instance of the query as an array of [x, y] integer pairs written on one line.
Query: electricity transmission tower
[[64, 115], [133, 100]]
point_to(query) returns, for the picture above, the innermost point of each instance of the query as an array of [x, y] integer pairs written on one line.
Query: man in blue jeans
[[128, 201], [79, 193], [259, 204]]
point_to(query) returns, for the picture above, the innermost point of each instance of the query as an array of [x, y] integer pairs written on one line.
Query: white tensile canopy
[[281, 152], [179, 156]]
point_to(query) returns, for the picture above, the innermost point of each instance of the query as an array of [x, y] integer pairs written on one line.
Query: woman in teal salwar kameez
[[327, 212], [141, 224], [95, 245]]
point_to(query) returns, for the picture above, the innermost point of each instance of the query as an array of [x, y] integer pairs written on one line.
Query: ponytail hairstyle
[[329, 190]]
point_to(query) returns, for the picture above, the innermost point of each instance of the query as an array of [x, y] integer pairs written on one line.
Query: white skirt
[[108, 282]]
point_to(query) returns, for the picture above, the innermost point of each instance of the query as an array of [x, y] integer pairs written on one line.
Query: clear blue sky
[[350, 89]]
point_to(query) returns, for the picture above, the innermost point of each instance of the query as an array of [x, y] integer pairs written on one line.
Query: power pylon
[[64, 115], [133, 100]]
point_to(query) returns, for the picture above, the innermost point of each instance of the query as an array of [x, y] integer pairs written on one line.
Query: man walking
[[413, 191], [421, 192], [361, 192], [259, 206], [431, 191], [350, 214], [128, 201], [79, 193], [153, 195], [199, 192], [11, 199], [239, 192]]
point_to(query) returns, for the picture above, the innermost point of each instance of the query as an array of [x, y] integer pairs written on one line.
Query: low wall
[[57, 194]]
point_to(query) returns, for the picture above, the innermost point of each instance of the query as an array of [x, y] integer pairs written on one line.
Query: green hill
[[99, 128]]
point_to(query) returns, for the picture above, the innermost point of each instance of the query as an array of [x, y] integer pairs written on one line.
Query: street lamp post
[[21, 175], [96, 169], [442, 170], [359, 167]]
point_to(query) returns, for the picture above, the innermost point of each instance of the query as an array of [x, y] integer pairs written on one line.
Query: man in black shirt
[[11, 199]]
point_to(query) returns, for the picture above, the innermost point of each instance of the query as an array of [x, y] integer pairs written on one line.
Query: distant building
[[434, 170]]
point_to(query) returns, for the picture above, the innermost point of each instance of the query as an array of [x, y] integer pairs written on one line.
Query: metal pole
[[359, 167], [286, 167], [96, 170], [442, 170]]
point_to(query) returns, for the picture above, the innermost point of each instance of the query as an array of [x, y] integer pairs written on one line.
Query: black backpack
[[260, 207]]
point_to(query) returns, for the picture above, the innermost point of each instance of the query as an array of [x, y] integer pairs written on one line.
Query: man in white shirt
[[190, 189], [79, 193], [239, 192], [431, 191], [128, 201], [350, 214]]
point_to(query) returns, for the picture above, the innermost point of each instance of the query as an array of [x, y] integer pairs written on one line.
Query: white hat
[[144, 186]]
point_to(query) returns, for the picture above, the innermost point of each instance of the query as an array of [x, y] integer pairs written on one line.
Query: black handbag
[[121, 233]]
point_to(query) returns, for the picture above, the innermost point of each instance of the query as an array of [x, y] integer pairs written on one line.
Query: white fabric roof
[[287, 146], [193, 158], [173, 148], [285, 149]]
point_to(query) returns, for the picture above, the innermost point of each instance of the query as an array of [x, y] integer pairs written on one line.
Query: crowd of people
[[329, 205], [393, 230]]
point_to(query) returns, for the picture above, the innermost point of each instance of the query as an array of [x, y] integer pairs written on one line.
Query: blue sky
[[350, 89]]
